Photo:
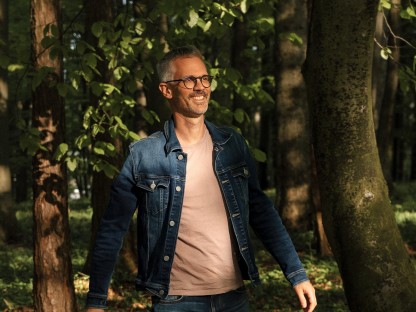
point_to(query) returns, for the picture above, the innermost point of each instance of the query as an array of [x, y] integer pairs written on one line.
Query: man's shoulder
[[151, 140]]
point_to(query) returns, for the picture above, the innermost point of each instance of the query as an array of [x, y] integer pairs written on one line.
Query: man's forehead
[[188, 66]]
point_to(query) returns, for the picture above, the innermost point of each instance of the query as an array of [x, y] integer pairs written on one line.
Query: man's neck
[[189, 131]]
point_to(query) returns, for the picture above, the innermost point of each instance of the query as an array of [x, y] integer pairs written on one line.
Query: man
[[195, 188]]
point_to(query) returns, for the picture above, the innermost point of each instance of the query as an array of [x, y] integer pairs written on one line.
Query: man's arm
[[114, 225]]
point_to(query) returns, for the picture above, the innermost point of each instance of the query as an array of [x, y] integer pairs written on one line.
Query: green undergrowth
[[274, 295]]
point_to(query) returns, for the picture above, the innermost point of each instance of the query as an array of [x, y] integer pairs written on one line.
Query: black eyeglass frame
[[194, 80]]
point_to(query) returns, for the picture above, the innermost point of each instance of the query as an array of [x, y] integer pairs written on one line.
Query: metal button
[[245, 171], [180, 157], [171, 223], [153, 185], [161, 292], [166, 258], [178, 188]]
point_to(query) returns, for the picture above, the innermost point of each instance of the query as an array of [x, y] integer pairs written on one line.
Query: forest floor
[[274, 295]]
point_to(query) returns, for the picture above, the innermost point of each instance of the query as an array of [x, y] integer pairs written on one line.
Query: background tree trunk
[[98, 10], [358, 218], [52, 283], [8, 221], [385, 130], [294, 172]]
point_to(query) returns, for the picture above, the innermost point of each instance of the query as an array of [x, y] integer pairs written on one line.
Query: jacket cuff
[[96, 301], [297, 277]]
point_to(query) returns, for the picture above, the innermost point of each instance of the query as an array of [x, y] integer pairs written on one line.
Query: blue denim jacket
[[153, 179]]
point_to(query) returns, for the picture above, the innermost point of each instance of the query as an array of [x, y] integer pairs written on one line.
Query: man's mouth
[[198, 96]]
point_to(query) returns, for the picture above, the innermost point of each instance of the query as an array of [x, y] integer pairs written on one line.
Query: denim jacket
[[153, 180]]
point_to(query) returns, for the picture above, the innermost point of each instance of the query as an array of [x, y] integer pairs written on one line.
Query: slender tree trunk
[[8, 221], [358, 218], [53, 287], [379, 67], [98, 10], [385, 132], [323, 247], [294, 172]]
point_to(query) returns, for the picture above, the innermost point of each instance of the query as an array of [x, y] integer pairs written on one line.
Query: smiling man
[[195, 187]]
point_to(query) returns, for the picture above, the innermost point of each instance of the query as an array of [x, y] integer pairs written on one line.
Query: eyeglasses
[[190, 82]]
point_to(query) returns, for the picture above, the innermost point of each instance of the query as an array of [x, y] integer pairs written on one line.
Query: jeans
[[232, 301]]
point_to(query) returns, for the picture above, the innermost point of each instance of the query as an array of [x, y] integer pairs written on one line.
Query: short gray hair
[[164, 68]]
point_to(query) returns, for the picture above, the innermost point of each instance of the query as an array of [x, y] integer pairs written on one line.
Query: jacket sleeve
[[267, 224], [113, 226]]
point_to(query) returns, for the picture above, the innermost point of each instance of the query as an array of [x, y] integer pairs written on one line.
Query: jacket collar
[[219, 135]]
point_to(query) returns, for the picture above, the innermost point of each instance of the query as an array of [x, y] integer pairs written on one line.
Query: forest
[[323, 91]]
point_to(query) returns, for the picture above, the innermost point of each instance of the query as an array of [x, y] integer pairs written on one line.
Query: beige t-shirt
[[204, 262]]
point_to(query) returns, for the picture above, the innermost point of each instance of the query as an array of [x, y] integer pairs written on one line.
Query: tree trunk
[[53, 287], [294, 172], [379, 67], [8, 221], [97, 10], [358, 218], [385, 131]]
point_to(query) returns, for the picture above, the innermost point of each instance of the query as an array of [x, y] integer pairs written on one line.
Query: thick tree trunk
[[52, 282], [385, 131], [358, 218], [294, 172], [8, 221]]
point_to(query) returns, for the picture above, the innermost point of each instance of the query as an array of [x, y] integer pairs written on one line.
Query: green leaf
[[87, 116], [62, 89], [193, 18], [96, 128], [82, 141], [90, 59], [385, 4], [239, 115], [259, 155], [244, 6], [385, 53], [98, 150], [15, 67], [295, 39], [60, 151], [411, 11], [71, 163], [147, 116], [134, 136], [97, 29]]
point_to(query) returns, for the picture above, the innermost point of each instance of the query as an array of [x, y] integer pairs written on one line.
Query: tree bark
[[358, 218], [53, 287], [8, 221], [294, 172]]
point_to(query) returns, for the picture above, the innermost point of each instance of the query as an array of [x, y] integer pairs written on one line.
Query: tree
[[8, 221], [294, 172], [52, 283], [386, 118], [98, 12], [358, 218]]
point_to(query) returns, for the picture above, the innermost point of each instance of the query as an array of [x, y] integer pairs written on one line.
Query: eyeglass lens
[[191, 82]]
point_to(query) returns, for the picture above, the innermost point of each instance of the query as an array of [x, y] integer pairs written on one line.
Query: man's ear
[[166, 91]]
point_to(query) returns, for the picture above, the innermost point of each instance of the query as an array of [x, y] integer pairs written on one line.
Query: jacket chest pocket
[[154, 193], [240, 177]]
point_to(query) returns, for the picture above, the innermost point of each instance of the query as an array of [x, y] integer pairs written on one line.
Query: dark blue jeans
[[232, 301]]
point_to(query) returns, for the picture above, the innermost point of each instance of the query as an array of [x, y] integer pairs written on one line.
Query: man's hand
[[306, 295], [94, 310]]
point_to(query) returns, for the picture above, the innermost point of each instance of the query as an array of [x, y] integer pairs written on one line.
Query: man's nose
[[198, 85]]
